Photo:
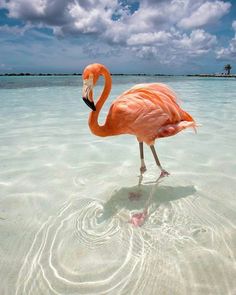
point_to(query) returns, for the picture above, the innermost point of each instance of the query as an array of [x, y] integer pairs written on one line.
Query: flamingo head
[[90, 76]]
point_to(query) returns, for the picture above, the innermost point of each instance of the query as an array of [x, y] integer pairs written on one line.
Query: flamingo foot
[[134, 196], [138, 219], [164, 173]]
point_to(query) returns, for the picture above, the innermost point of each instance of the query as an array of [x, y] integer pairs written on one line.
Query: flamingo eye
[[88, 82]]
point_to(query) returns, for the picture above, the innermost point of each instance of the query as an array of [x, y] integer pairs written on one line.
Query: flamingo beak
[[89, 103]]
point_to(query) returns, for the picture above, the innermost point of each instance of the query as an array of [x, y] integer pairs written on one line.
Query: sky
[[128, 36]]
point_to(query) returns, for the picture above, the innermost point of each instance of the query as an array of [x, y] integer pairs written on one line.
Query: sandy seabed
[[64, 195]]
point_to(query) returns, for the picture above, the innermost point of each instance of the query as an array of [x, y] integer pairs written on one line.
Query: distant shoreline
[[142, 74], [78, 74], [212, 75]]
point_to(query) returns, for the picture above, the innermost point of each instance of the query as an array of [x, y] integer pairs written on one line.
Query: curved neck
[[93, 118]]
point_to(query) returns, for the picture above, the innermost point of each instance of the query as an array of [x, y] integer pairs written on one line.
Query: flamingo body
[[148, 111]]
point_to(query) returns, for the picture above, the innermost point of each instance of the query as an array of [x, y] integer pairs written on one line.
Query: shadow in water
[[122, 199]]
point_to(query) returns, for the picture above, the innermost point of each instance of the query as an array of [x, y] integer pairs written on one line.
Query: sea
[[67, 196]]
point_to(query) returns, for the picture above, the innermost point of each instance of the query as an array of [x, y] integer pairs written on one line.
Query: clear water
[[64, 195]]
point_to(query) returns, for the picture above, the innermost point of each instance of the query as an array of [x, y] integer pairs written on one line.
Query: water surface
[[64, 194]]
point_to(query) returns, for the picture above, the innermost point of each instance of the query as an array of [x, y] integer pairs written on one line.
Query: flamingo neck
[[93, 117]]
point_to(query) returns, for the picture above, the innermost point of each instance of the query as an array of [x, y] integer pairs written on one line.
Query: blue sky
[[129, 36]]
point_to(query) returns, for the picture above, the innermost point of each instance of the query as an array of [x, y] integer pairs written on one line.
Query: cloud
[[177, 48], [147, 28], [4, 68], [114, 18], [160, 37], [234, 25], [13, 29], [207, 13], [26, 9], [96, 50], [197, 43], [228, 53], [65, 16]]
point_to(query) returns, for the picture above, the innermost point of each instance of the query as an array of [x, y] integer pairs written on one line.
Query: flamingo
[[149, 111]]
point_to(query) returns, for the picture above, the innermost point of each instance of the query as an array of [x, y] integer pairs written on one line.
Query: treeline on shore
[[141, 74], [75, 74], [213, 75]]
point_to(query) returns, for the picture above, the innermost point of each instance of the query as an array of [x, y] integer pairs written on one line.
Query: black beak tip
[[89, 103]]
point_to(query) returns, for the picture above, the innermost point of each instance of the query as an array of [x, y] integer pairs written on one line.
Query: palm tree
[[227, 68]]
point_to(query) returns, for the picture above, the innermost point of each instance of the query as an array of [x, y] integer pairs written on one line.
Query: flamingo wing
[[147, 111]]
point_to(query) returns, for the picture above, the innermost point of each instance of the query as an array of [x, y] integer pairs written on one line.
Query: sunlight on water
[[66, 196]]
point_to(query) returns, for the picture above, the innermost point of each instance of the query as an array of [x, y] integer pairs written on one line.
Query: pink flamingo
[[149, 111]]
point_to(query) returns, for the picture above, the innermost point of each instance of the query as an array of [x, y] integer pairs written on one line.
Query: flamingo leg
[[143, 168], [163, 171]]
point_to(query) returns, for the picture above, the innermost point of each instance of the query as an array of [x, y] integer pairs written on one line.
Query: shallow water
[[65, 195]]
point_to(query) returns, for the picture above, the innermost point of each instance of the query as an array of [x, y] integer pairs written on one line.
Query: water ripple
[[85, 250], [74, 251]]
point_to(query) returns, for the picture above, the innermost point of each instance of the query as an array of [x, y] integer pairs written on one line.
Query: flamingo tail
[[188, 122]]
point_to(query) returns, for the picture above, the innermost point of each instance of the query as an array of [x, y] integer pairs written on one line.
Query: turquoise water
[[64, 194]]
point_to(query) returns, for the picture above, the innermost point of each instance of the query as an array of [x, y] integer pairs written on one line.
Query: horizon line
[[115, 74]]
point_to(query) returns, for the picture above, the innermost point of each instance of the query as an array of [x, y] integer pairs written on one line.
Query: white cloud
[[156, 28], [13, 29], [197, 43], [96, 16], [228, 53], [4, 67], [207, 13], [158, 38], [234, 25], [96, 50], [178, 47], [26, 8]]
